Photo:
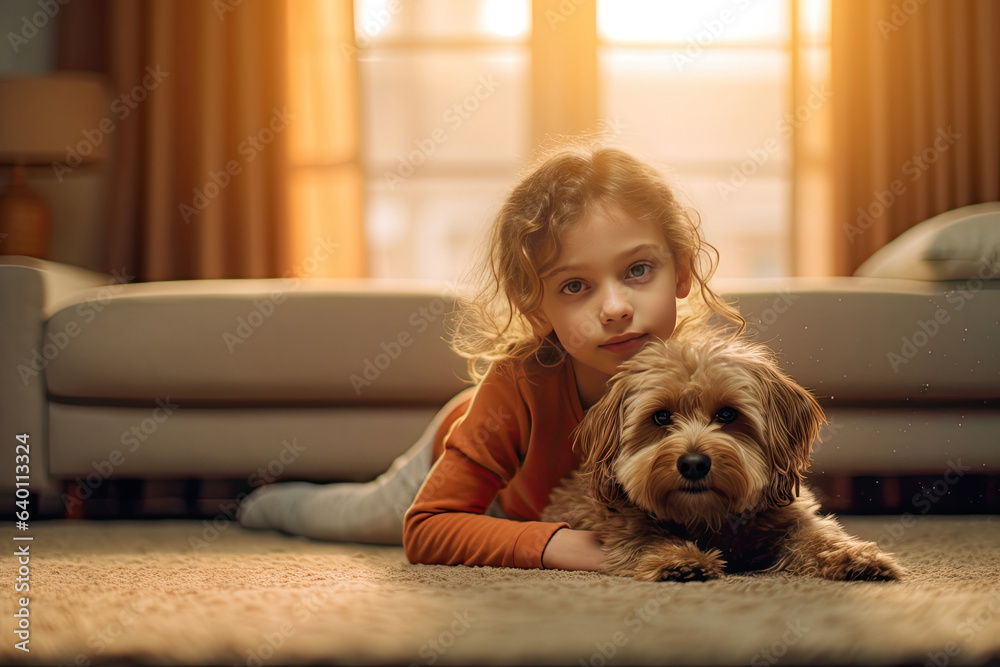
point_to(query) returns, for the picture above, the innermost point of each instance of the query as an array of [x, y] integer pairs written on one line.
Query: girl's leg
[[371, 512]]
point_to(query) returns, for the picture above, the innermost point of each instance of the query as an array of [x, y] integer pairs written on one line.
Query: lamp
[[59, 120]]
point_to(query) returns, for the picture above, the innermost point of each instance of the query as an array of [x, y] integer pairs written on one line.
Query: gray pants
[[371, 513]]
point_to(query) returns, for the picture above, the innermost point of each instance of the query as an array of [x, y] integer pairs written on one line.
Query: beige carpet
[[176, 592]]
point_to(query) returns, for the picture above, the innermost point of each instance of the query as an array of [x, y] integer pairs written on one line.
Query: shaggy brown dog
[[693, 464]]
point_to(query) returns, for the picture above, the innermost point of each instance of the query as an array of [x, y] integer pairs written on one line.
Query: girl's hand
[[573, 550]]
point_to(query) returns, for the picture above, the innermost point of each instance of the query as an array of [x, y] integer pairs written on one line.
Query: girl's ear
[[683, 276]]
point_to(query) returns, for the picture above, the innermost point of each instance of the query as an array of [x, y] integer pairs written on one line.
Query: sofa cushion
[[864, 339], [261, 445], [272, 342], [359, 443], [963, 244]]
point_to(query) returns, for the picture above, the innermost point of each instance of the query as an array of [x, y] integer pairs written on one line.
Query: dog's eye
[[663, 418], [726, 415]]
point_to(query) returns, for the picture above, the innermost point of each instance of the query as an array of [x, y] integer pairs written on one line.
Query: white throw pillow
[[957, 245]]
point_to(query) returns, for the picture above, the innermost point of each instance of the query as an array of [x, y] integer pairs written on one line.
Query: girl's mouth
[[627, 345]]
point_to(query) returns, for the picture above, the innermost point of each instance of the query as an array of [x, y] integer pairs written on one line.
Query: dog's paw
[[684, 562], [858, 561]]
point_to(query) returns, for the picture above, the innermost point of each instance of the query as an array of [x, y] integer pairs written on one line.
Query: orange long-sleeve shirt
[[510, 438]]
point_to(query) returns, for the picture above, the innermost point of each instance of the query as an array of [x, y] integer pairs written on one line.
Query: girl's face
[[614, 287]]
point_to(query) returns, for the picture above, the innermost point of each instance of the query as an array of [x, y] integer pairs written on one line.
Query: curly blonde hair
[[499, 320]]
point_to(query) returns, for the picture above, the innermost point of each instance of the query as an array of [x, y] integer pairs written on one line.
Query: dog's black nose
[[694, 466]]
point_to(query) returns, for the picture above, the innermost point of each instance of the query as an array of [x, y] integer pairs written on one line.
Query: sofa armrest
[[28, 289]]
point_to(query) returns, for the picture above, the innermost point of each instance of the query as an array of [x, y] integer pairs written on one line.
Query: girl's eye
[[663, 418], [639, 270], [726, 415], [572, 287]]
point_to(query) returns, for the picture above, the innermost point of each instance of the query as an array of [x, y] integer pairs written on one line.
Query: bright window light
[[814, 18], [504, 18], [701, 22], [371, 17]]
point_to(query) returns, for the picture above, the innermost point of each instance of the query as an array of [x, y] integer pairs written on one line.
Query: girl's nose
[[616, 306]]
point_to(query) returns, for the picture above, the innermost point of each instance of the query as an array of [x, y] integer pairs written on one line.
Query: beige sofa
[[318, 379], [228, 379]]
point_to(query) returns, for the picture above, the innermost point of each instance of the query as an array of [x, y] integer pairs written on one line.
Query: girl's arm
[[512, 428], [573, 550], [514, 433], [446, 524]]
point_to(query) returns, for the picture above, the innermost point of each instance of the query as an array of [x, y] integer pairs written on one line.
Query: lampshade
[[42, 119]]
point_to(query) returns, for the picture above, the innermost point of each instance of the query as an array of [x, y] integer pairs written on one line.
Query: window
[[444, 86], [704, 90]]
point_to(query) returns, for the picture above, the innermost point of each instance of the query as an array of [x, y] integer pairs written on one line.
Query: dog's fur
[[749, 512]]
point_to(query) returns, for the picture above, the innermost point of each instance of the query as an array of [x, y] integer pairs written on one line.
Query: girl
[[589, 257]]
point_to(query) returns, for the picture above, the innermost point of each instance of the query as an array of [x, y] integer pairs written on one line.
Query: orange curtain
[[916, 95], [209, 113], [326, 183]]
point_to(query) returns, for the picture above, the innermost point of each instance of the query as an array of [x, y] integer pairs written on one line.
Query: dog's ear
[[599, 438], [793, 419]]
